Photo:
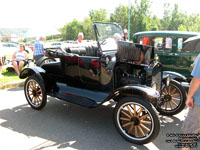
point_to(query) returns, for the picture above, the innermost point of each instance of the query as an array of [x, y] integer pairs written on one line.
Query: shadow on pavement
[[66, 125]]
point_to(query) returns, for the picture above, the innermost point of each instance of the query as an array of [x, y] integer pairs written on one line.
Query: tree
[[98, 15], [120, 15], [70, 31], [88, 29]]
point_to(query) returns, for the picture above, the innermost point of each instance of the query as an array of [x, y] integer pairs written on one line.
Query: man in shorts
[[191, 124]]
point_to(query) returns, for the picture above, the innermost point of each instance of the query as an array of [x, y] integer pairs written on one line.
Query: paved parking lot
[[62, 125]]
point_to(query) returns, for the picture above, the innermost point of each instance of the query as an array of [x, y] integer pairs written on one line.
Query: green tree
[[70, 31], [120, 15], [88, 29], [98, 15]]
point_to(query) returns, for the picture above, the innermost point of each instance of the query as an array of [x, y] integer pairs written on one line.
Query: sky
[[56, 13]]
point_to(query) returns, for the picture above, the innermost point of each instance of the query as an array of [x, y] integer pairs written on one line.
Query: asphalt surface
[[63, 125]]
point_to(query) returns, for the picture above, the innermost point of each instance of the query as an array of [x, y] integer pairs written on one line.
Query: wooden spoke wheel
[[35, 92], [174, 97], [136, 120]]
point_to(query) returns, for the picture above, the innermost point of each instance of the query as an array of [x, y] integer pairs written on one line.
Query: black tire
[[174, 97], [35, 93], [45, 60], [136, 113]]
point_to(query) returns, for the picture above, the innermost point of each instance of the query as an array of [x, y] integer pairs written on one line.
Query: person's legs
[[37, 58], [21, 64], [191, 125], [15, 66]]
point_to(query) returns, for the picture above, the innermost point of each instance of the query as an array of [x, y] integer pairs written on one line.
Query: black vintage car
[[112, 69]]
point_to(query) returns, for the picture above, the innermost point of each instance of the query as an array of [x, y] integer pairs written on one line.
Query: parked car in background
[[9, 48], [53, 44], [169, 48], [29, 45]]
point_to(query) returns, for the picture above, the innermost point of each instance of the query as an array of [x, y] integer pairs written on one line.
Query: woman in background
[[19, 59]]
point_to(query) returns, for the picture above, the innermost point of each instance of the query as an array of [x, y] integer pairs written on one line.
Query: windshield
[[108, 35]]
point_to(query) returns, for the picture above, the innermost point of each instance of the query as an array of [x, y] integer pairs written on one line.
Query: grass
[[9, 76]]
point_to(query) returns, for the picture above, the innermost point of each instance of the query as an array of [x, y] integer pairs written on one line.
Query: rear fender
[[149, 94], [30, 71]]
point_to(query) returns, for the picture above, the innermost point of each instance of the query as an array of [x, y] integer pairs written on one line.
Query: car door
[[183, 59], [89, 69], [164, 50]]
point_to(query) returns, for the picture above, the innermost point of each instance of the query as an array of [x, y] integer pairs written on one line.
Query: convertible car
[[112, 69]]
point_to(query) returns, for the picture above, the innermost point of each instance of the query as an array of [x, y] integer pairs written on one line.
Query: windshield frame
[[106, 30]]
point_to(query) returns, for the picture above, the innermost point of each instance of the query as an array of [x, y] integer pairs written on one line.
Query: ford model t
[[113, 69]]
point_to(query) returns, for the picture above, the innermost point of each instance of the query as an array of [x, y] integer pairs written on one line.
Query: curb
[[14, 84]]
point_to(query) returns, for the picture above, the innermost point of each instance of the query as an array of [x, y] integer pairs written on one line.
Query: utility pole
[[129, 20]]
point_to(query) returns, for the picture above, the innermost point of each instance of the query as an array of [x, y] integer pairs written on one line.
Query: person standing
[[80, 38], [38, 50], [19, 58], [191, 125]]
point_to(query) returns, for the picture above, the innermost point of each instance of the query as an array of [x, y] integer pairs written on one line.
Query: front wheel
[[136, 120], [34, 90], [173, 97]]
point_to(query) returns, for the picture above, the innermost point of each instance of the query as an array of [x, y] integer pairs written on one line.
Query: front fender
[[30, 71], [143, 91], [174, 75]]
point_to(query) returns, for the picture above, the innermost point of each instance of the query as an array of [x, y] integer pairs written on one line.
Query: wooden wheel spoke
[[127, 124], [170, 104], [29, 90], [134, 106], [165, 91], [144, 127], [136, 133], [125, 119], [174, 103], [177, 94], [166, 105], [145, 122], [126, 114], [144, 116], [172, 92], [31, 86], [176, 99], [141, 109], [140, 129], [34, 101], [129, 111], [38, 91], [131, 129], [169, 89], [37, 101]]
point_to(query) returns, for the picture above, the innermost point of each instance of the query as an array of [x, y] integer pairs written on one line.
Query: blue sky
[[56, 13]]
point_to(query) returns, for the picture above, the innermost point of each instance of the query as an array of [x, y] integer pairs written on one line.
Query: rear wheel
[[45, 60], [136, 120], [34, 90], [174, 97]]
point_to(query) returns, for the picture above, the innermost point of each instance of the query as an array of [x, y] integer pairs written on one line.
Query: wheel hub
[[167, 98], [34, 93], [135, 121]]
